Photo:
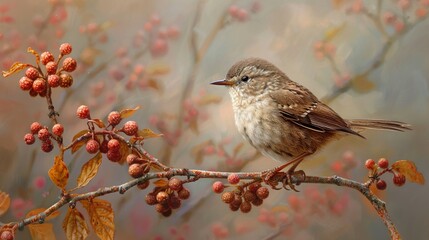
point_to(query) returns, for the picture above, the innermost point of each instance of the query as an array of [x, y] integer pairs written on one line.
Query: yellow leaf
[[4, 202], [59, 174], [153, 83], [78, 145], [209, 99], [89, 170], [332, 32], [98, 122], [124, 150], [32, 51], [128, 112], [16, 67], [74, 225], [147, 133], [43, 231], [39, 210], [361, 84], [409, 170], [101, 214], [158, 69], [161, 183]]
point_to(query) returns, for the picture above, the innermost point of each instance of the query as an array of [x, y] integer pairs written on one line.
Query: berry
[[32, 73], [162, 197], [161, 207], [6, 235], [254, 186], [151, 199], [245, 207], [135, 170], [114, 118], [175, 184], [262, 193], [184, 194], [54, 81], [92, 146], [257, 202], [103, 146], [35, 127], [234, 207], [66, 80], [237, 202], [39, 85], [83, 112], [43, 134], [58, 129], [143, 185], [130, 128], [132, 158], [29, 138], [218, 187], [381, 184], [228, 197], [383, 163], [47, 146], [25, 83], [65, 48], [369, 164], [249, 196], [399, 179], [51, 67], [46, 57], [233, 178], [69, 64], [159, 47], [114, 156], [167, 212], [113, 145], [33, 93], [174, 202]]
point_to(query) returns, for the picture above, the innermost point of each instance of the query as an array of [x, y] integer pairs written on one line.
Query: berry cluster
[[37, 81], [43, 135], [380, 168], [168, 197], [241, 14]]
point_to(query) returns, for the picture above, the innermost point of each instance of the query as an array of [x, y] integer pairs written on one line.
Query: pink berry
[[47, 146], [46, 57], [233, 178], [53, 81], [25, 83], [43, 134], [29, 138], [51, 67], [114, 118], [58, 129], [218, 187], [159, 47], [83, 112], [35, 127], [32, 73], [383, 163], [92, 146], [39, 85], [113, 145], [130, 128], [65, 48], [7, 235], [69, 64]]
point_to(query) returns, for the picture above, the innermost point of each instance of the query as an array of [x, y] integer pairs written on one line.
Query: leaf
[[74, 225], [128, 112], [34, 52], [101, 214], [4, 202], [153, 83], [209, 99], [161, 183], [79, 144], [193, 125], [337, 3], [147, 133], [59, 174], [98, 122], [409, 170], [43, 231], [124, 150], [158, 69], [332, 32], [16, 67], [89, 170], [361, 84], [40, 210]]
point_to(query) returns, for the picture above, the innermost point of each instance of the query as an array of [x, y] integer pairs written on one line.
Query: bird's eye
[[245, 78]]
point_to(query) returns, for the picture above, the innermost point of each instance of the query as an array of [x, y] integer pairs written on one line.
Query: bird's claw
[[272, 179]]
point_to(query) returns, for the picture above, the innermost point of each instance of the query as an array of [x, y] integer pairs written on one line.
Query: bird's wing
[[298, 105]]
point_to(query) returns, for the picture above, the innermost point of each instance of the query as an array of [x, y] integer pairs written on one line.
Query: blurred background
[[367, 59]]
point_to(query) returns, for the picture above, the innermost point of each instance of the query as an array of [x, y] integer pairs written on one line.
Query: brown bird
[[284, 120]]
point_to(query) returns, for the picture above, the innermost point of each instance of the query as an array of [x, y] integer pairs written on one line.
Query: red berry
[[47, 146], [249, 196], [174, 202], [65, 48], [43, 134], [39, 85], [175, 184], [69, 64], [130, 128], [132, 158], [114, 156], [54, 81], [58, 129], [399, 179], [262, 193], [245, 207], [29, 138], [51, 67], [114, 118], [151, 199], [162, 208], [103, 146], [162, 197], [83, 112], [32, 73], [46, 57], [184, 193], [6, 235], [113, 145], [234, 207], [66, 80], [233, 178], [218, 187], [257, 202], [383, 163], [35, 127], [254, 186], [136, 170], [25, 83], [33, 93], [167, 212], [228, 197], [381, 184], [369, 164], [92, 146], [159, 47]]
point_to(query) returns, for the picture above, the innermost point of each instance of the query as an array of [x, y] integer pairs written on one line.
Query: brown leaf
[[158, 69], [124, 150], [98, 122], [89, 170], [88, 55], [361, 84], [74, 225], [209, 99], [59, 174], [101, 214], [43, 231], [34, 52], [4, 202], [16, 67], [337, 3], [128, 112], [78, 145], [153, 83], [409, 170], [39, 210], [161, 183], [147, 133], [193, 125]]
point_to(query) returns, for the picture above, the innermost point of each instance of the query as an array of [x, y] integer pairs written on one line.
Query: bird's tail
[[360, 124]]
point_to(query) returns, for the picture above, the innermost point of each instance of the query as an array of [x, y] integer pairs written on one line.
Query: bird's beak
[[223, 82]]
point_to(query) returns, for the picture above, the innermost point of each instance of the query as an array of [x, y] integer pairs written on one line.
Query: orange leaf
[[74, 225], [337, 3], [209, 99], [409, 170], [59, 174], [32, 51], [362, 84], [98, 122], [128, 112], [161, 183], [4, 202], [124, 150], [16, 67], [101, 214], [89, 170], [147, 133], [153, 83], [78, 145], [43, 231], [39, 210]]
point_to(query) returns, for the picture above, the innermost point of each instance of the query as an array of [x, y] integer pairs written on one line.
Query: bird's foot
[[272, 178]]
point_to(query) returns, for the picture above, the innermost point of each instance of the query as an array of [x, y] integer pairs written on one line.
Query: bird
[[283, 119]]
